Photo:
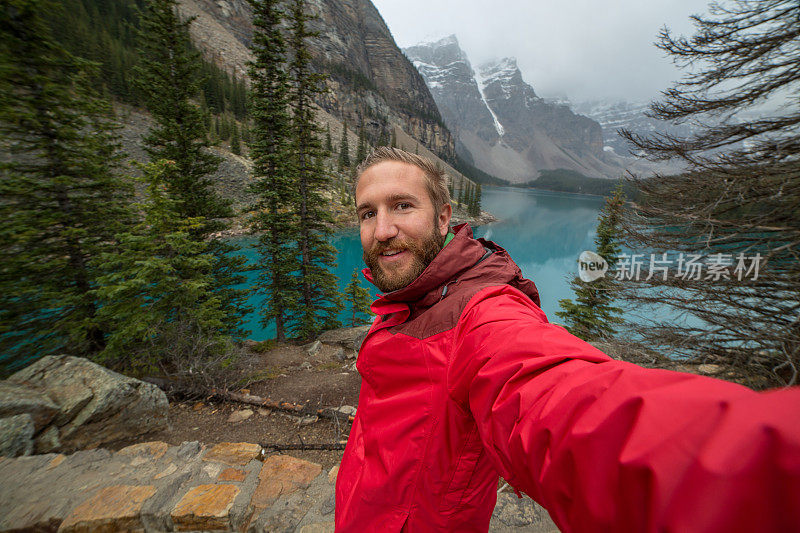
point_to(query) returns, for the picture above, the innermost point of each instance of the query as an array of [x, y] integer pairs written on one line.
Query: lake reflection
[[543, 232]]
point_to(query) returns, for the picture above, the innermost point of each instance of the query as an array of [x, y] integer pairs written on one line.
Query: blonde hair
[[435, 177]]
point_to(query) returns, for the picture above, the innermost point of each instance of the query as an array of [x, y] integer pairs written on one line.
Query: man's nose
[[385, 227]]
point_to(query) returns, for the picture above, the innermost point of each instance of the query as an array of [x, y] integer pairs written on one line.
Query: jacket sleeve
[[606, 445]]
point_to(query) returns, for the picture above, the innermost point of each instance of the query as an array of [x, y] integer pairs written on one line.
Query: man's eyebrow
[[391, 198], [402, 196]]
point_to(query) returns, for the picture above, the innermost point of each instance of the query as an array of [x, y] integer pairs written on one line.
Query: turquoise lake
[[544, 232]]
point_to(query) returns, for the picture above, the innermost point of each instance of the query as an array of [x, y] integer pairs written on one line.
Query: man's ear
[[443, 220]]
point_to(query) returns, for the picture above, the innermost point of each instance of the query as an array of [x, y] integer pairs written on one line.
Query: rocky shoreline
[[238, 226]]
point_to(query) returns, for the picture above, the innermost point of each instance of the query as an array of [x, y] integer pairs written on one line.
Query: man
[[463, 378]]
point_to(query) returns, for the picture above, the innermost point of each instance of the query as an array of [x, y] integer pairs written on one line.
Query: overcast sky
[[582, 49]]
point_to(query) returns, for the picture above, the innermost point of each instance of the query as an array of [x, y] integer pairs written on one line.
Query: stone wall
[[156, 487]]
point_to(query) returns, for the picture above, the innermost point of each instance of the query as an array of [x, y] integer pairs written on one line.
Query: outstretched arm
[[605, 445]]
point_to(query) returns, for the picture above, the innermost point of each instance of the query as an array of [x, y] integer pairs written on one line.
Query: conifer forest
[[123, 263]]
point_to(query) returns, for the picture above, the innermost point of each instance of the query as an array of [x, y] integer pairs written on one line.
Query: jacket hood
[[463, 259]]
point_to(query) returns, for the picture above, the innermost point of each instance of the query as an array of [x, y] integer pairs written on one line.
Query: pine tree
[[320, 296], [328, 142], [225, 130], [474, 202], [61, 199], [169, 78], [158, 298], [361, 151], [383, 139], [239, 99], [344, 150], [236, 147], [358, 298], [204, 111], [270, 150], [592, 316], [246, 132], [100, 35], [394, 138]]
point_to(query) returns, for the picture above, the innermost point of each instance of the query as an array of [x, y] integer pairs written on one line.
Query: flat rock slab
[[232, 474], [233, 453], [239, 416], [153, 449], [282, 475], [205, 507], [112, 509]]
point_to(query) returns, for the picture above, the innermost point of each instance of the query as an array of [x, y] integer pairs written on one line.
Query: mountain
[[501, 125], [613, 116], [369, 77], [370, 80], [450, 78]]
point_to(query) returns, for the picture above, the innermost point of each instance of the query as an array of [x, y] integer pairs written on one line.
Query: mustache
[[422, 252], [372, 256], [392, 244]]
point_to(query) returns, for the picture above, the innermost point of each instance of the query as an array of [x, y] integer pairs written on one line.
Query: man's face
[[401, 231]]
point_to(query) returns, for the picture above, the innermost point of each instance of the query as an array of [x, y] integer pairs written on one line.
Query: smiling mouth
[[390, 255]]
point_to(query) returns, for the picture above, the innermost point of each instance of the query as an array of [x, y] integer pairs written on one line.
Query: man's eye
[[367, 214], [403, 205]]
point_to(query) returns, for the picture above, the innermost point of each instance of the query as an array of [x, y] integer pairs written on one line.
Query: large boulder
[[16, 435], [17, 399], [349, 338], [94, 405]]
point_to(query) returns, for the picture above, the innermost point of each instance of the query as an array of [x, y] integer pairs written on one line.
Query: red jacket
[[465, 379]]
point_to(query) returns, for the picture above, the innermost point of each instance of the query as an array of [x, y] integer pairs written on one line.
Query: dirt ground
[[286, 373], [283, 375]]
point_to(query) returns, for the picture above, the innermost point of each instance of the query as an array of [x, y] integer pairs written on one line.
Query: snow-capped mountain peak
[[444, 41], [482, 82], [500, 123], [503, 79], [452, 81], [498, 65]]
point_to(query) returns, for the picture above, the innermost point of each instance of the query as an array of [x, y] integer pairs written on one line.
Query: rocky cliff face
[[522, 112], [369, 75], [499, 121], [629, 115], [449, 75]]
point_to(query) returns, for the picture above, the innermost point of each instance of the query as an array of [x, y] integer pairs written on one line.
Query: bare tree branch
[[740, 195]]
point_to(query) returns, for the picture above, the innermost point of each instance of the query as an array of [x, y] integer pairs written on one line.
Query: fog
[[581, 49]]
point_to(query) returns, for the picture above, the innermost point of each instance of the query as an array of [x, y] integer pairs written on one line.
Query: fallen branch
[[288, 407], [282, 447]]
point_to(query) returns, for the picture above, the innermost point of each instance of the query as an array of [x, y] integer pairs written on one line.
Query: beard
[[422, 253]]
